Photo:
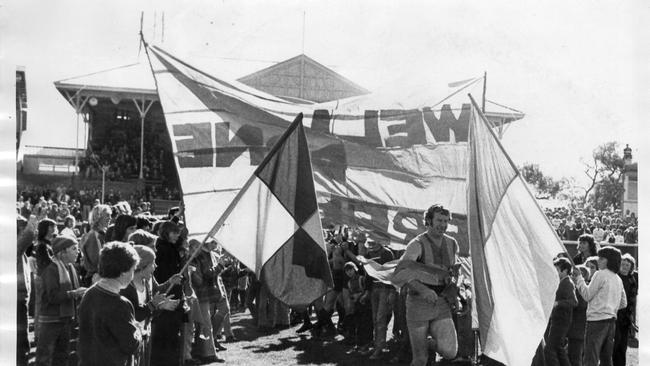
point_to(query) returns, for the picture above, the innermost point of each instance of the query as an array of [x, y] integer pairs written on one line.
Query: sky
[[574, 68]]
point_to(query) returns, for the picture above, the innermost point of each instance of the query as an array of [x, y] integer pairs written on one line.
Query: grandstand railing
[[161, 207], [632, 249]]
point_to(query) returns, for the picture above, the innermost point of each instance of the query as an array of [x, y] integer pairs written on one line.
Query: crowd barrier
[[632, 249], [161, 207]]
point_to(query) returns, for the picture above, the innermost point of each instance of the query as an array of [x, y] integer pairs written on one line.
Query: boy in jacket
[[555, 351]]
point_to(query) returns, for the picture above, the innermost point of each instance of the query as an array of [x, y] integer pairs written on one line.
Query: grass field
[[286, 347]]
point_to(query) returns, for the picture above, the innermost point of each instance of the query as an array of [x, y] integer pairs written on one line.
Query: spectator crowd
[[57, 201], [129, 274], [613, 227]]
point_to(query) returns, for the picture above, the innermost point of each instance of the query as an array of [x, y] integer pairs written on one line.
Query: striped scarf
[[68, 280]]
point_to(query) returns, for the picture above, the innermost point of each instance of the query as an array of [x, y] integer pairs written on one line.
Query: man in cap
[[428, 313]]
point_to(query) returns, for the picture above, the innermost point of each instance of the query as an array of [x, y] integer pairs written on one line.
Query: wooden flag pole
[[477, 339], [219, 223], [484, 90]]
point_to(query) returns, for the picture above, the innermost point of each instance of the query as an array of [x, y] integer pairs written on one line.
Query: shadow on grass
[[313, 351], [306, 349]]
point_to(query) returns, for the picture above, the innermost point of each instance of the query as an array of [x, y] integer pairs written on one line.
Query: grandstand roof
[[50, 151], [282, 79], [126, 80], [303, 77]]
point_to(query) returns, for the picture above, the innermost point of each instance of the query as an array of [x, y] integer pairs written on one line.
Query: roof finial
[[627, 153]]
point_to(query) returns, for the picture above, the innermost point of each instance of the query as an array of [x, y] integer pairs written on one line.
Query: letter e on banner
[[193, 144]]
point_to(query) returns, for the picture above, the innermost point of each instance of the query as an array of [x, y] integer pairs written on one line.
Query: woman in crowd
[[42, 253], [587, 247], [124, 226], [166, 342], [93, 242], [625, 316], [205, 283], [69, 229], [147, 298], [108, 334]]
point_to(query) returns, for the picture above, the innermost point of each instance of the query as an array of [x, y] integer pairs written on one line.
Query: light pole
[[104, 168], [143, 107]]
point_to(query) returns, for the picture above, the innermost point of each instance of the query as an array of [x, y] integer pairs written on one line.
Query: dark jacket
[[168, 262], [625, 316], [146, 310], [579, 258], [54, 295], [25, 240], [578, 319], [204, 280], [108, 334], [566, 300]]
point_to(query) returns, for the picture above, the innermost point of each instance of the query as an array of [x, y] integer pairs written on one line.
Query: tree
[[605, 174], [570, 190], [542, 183], [608, 193], [532, 174], [612, 163]]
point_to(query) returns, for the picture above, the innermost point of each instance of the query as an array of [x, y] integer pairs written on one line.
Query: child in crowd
[[576, 334], [626, 316], [357, 309], [565, 300], [605, 296]]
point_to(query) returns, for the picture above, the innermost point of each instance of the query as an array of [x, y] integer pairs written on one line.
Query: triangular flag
[[273, 226]]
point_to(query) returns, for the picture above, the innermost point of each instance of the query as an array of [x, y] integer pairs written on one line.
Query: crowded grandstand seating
[[56, 201], [613, 227], [122, 160]]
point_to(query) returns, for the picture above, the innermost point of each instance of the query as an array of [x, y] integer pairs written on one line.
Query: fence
[[161, 207], [632, 249]]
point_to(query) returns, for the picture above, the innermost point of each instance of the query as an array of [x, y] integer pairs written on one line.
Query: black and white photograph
[[323, 183]]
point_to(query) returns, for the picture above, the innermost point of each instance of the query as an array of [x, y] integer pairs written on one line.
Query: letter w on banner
[[512, 247], [273, 225]]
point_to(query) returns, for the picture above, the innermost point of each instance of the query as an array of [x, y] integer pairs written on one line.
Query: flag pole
[[266, 159], [217, 225], [144, 43], [484, 90]]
